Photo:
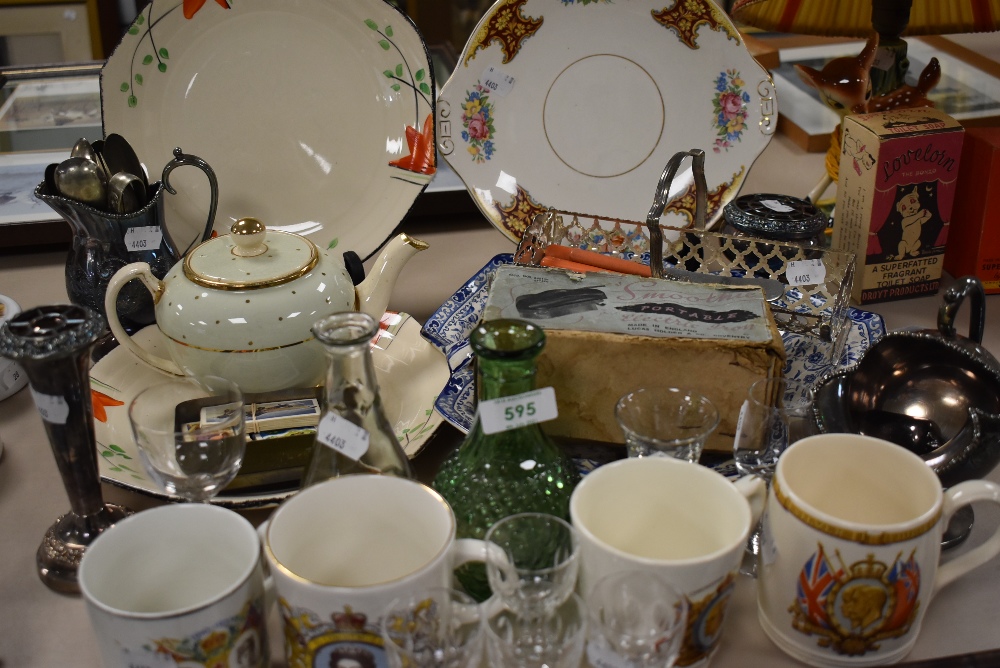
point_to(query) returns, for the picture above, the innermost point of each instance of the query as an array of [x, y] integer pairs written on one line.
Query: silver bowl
[[933, 392]]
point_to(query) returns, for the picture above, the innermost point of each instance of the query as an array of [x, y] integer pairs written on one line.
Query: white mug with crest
[[674, 519], [175, 586], [340, 551], [850, 549]]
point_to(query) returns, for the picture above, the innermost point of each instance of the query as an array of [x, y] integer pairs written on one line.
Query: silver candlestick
[[52, 343]]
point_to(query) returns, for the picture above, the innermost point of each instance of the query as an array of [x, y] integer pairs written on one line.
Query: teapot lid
[[250, 257]]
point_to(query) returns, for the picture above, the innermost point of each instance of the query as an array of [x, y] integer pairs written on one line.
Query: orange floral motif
[[421, 144], [191, 7], [100, 401]]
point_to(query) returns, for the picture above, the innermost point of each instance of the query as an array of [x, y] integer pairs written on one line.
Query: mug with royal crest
[[672, 519], [340, 551], [850, 549]]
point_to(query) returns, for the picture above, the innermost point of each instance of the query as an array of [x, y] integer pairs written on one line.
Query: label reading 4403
[[518, 410], [144, 238], [343, 436]]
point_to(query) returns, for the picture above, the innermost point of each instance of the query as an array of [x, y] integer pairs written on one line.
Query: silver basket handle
[[661, 198]]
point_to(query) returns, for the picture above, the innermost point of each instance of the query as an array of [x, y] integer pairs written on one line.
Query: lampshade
[[854, 18]]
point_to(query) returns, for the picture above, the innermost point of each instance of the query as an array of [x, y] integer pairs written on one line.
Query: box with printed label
[[608, 334], [974, 240], [899, 171]]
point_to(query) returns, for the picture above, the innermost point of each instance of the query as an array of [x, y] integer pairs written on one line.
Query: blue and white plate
[[449, 327]]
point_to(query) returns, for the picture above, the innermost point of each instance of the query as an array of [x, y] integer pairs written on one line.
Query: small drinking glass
[[673, 421], [191, 434], [553, 641], [439, 628], [532, 560], [777, 412], [637, 620]]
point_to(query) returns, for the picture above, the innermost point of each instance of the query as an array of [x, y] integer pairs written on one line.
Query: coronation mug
[[674, 519], [342, 550], [850, 548], [177, 585]]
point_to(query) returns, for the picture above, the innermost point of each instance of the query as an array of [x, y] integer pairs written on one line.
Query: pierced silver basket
[[815, 283]]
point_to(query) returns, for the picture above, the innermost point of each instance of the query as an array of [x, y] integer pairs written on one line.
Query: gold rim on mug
[[292, 575], [853, 535]]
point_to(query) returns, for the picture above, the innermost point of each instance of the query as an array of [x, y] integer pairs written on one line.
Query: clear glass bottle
[[492, 476], [354, 435]]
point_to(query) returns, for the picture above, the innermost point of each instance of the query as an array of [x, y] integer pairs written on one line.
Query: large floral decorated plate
[[579, 104], [449, 327], [411, 373], [316, 115]]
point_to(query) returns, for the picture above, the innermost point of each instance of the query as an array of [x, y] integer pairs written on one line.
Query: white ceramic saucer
[[579, 104], [411, 373]]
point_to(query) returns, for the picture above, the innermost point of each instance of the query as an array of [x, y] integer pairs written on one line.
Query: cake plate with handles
[[574, 105]]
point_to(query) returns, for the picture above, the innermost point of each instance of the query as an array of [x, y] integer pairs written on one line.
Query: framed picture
[[966, 92], [43, 104], [20, 173]]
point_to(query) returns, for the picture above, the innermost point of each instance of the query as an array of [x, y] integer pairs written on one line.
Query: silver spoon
[[82, 180], [126, 193], [84, 149], [121, 157]]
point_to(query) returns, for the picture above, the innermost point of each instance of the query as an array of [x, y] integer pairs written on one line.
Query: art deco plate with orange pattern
[[579, 104], [316, 115]]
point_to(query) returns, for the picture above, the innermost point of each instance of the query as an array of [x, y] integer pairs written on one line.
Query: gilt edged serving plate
[[316, 115], [410, 371], [579, 104]]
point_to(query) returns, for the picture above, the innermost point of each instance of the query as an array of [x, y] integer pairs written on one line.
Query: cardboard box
[[898, 176], [608, 334], [974, 239]]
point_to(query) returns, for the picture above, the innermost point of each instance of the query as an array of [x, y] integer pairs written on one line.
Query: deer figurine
[[844, 86]]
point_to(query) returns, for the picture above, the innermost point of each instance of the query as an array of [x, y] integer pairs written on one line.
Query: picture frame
[[19, 175], [33, 136], [969, 89]]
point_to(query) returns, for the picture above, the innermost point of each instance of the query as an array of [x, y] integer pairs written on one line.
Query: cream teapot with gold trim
[[241, 306]]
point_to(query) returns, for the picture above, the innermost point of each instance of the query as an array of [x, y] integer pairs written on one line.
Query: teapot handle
[[141, 271], [181, 158], [953, 297]]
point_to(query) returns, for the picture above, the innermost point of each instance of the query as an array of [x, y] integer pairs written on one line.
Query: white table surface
[[39, 628]]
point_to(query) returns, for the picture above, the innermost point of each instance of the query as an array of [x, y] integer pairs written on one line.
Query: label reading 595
[[518, 410]]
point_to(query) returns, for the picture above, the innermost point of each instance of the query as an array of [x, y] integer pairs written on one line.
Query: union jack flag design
[[815, 581], [905, 577]]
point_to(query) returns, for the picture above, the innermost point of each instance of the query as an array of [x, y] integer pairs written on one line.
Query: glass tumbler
[[673, 421], [437, 628]]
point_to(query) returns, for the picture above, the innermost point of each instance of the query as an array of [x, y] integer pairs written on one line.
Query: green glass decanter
[[493, 475]]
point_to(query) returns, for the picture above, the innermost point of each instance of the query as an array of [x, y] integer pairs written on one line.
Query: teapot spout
[[372, 294]]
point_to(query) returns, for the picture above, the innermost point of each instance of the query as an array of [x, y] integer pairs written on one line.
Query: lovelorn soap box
[[608, 334]]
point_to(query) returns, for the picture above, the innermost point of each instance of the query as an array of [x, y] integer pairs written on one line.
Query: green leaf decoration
[[399, 70], [384, 44], [419, 76], [333, 243], [388, 74], [371, 24], [395, 87], [107, 454], [164, 53], [117, 448], [140, 19], [424, 88], [133, 31], [124, 87], [116, 469], [133, 101], [148, 59], [138, 79], [388, 31], [162, 67]]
